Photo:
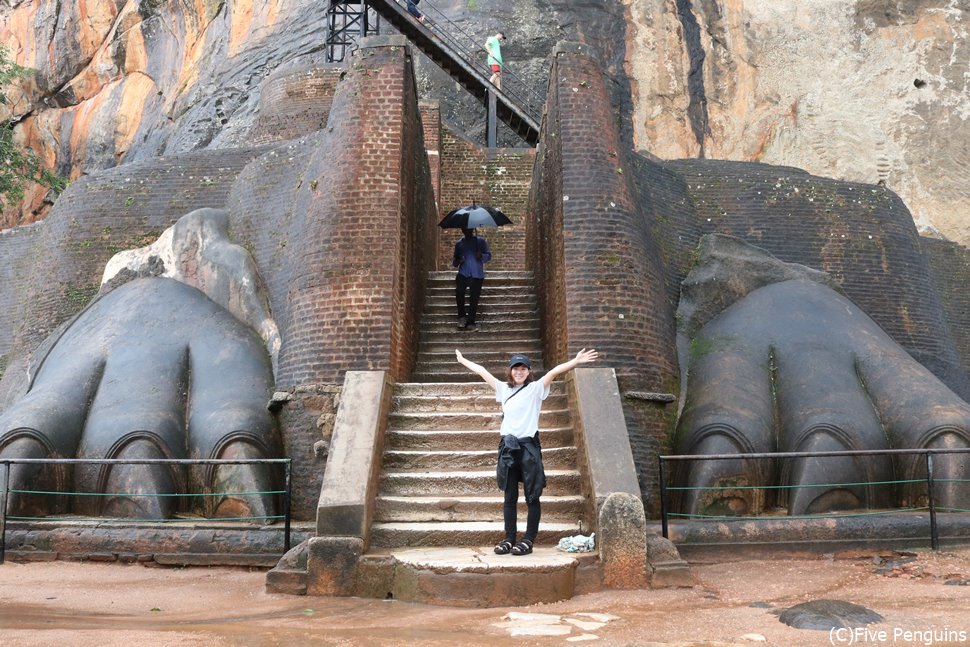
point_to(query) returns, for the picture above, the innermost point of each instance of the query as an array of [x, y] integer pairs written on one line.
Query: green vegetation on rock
[[18, 167]]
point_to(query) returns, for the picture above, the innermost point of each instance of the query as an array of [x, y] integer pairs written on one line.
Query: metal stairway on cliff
[[516, 104]]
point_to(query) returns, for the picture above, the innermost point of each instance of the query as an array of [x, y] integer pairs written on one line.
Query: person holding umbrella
[[519, 451], [471, 254]]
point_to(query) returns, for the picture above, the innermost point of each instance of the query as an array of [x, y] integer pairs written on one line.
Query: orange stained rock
[[84, 114], [136, 58], [96, 19], [250, 23], [242, 20], [18, 35], [194, 49], [136, 91]]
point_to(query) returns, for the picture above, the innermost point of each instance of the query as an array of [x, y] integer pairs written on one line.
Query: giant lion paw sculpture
[[794, 366], [154, 369]]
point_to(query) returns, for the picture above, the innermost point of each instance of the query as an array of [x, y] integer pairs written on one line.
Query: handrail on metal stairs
[[517, 104]]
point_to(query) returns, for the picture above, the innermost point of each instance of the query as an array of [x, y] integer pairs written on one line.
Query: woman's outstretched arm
[[478, 369], [582, 357]]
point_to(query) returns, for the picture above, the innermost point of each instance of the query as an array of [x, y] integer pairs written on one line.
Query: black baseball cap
[[519, 358]]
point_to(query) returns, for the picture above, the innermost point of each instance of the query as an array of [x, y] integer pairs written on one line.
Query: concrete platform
[[483, 560], [701, 540], [473, 576], [176, 543]]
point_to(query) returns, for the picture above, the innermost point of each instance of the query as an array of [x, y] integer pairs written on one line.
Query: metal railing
[[473, 53], [5, 491], [930, 481]]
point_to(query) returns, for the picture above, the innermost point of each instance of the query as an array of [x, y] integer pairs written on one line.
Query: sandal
[[503, 548], [524, 547]]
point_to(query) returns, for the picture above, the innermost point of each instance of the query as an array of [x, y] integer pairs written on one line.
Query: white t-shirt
[[522, 411]]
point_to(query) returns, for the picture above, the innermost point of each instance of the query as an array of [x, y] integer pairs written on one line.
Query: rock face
[[123, 81], [862, 90]]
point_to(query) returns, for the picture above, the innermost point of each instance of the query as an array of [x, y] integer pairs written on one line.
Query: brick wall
[[431, 127], [346, 258], [498, 177], [591, 244], [19, 249], [950, 265], [295, 102]]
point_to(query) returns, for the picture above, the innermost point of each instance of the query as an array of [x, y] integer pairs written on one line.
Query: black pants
[[508, 510], [463, 283]]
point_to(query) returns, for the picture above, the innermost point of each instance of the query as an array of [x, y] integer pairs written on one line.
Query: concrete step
[[423, 460], [466, 483], [490, 290], [459, 533], [474, 343], [460, 403], [444, 389], [512, 316], [443, 332], [473, 576], [559, 509], [501, 276], [495, 361], [444, 440], [429, 376], [434, 373], [483, 420], [497, 309]]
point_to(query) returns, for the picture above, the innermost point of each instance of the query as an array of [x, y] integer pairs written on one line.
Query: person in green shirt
[[493, 45]]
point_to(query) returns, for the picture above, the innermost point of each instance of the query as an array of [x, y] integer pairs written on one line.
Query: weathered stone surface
[[727, 269], [473, 577], [332, 565], [300, 413], [860, 90], [667, 569], [290, 573], [855, 90], [197, 251], [622, 541], [828, 614]]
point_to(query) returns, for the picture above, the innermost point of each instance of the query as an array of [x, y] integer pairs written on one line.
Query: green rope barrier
[[149, 494], [939, 509], [787, 487], [789, 518], [110, 520]]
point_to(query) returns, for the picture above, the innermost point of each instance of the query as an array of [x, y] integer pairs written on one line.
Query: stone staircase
[[508, 319], [437, 492]]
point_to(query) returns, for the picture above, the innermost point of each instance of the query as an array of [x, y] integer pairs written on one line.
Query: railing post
[[663, 497], [934, 531], [286, 508], [491, 124], [3, 510]]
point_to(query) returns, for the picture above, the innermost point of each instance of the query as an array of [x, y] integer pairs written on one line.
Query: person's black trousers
[[474, 286], [508, 509]]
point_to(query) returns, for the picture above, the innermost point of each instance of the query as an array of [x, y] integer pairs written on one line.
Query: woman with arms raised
[[519, 451]]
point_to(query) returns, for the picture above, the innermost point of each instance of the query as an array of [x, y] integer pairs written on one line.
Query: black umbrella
[[474, 216]]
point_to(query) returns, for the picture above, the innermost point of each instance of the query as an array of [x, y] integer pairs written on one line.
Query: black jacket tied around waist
[[526, 454]]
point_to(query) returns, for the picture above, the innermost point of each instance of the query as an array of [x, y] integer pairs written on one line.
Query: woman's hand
[[459, 356], [585, 356]]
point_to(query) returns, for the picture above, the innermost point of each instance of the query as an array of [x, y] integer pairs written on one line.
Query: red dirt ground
[[66, 603]]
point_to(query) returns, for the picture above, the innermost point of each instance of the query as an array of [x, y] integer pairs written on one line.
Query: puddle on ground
[[575, 627]]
